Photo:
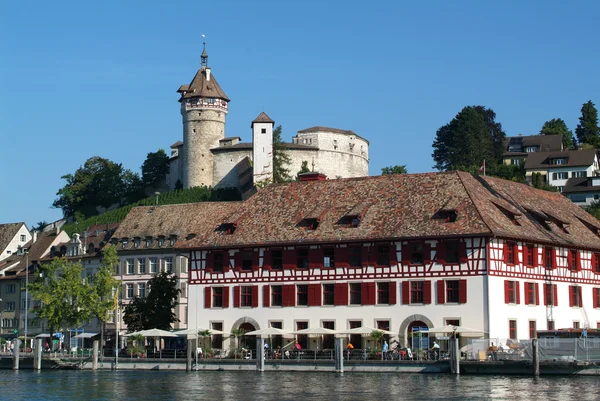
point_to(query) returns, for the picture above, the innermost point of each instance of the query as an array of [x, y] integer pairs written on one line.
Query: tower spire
[[204, 56]]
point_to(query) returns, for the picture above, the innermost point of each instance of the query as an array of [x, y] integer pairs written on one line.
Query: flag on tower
[[482, 168]]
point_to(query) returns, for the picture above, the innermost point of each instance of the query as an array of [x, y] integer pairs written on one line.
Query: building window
[[416, 292], [452, 291], [302, 259], [596, 263], [263, 130], [169, 264], [129, 266], [550, 324], [217, 297], [247, 260], [452, 252], [129, 291], [511, 292], [355, 294], [153, 265], [328, 257], [276, 295], [550, 295], [572, 259], [576, 324], [416, 253], [142, 290], [512, 329], [142, 266], [246, 294], [560, 176], [302, 293], [355, 256], [549, 257], [596, 296], [530, 295], [276, 259], [516, 162], [531, 149], [217, 339], [383, 293], [530, 255], [328, 291], [23, 237], [218, 262], [10, 306], [575, 296], [532, 329], [559, 160], [510, 253], [11, 288], [383, 255]]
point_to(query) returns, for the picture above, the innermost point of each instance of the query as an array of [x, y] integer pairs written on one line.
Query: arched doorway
[[405, 332], [418, 335], [248, 342]]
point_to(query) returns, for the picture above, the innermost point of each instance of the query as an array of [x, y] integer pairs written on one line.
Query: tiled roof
[[581, 184], [177, 144], [37, 250], [400, 207], [7, 233], [201, 87], [170, 222], [545, 143], [327, 129], [575, 158], [263, 118]]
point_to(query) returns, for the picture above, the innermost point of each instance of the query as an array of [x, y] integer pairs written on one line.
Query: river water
[[204, 385]]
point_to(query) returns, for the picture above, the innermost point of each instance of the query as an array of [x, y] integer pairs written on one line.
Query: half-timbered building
[[396, 252]]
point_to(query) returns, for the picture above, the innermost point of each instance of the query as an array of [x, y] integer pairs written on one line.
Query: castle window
[[263, 130]]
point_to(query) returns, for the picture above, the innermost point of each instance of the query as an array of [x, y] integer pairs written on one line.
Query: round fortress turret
[[204, 107]]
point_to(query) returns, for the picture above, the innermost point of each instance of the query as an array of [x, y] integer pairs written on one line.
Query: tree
[[155, 168], [39, 226], [237, 334], [99, 182], [303, 169], [557, 126], [103, 284], [587, 130], [157, 310], [394, 170], [65, 299], [281, 160], [594, 209], [470, 138]]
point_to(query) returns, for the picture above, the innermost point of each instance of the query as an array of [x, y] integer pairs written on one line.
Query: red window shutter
[[426, 292], [595, 297], [315, 258], [393, 256], [553, 264], [426, 253], [555, 295], [238, 260], [441, 292], [225, 297], [405, 293], [441, 253], [518, 290], [543, 251], [236, 296], [255, 261], [314, 295], [210, 261], [526, 294], [366, 294], [267, 260], [207, 296], [462, 252], [546, 294], [505, 252], [571, 295], [266, 296], [289, 259], [342, 257], [525, 255], [288, 295], [537, 293], [462, 291], [405, 257], [578, 260], [367, 258], [516, 253], [506, 296], [255, 296], [392, 293], [225, 261], [340, 294]]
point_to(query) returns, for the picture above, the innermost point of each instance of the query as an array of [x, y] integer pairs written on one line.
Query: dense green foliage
[[281, 160], [470, 138], [303, 169], [156, 311], [191, 195], [587, 130], [557, 126], [155, 168], [99, 182], [594, 209], [394, 170]]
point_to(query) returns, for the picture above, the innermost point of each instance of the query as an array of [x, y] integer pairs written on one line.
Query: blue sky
[[82, 79]]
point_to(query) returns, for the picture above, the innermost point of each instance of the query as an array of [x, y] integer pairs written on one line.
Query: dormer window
[[512, 215], [354, 216], [148, 242], [125, 242], [136, 243], [595, 230], [559, 160], [161, 241], [531, 149], [446, 215], [309, 223], [227, 228]]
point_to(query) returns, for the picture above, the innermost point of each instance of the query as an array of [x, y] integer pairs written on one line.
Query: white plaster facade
[[21, 237]]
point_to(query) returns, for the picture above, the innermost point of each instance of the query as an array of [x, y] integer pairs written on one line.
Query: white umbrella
[[194, 332], [86, 335], [317, 331], [365, 331], [152, 333], [270, 331], [463, 331]]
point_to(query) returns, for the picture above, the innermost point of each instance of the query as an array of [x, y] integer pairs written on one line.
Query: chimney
[[312, 176], [56, 229], [208, 73], [35, 236]]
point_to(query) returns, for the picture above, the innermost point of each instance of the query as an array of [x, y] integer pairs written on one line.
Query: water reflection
[[155, 385]]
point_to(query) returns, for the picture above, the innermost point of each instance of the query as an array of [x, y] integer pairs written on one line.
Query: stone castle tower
[[204, 107]]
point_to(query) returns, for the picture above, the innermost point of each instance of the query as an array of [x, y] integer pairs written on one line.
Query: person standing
[[384, 350], [349, 349]]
